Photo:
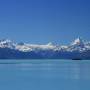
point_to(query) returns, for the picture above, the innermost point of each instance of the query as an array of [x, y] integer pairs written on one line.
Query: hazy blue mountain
[[78, 49]]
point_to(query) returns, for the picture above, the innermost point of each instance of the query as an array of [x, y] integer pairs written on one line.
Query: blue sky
[[43, 21]]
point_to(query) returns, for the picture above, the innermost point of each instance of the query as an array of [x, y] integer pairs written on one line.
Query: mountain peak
[[50, 44], [78, 50], [4, 41], [78, 41]]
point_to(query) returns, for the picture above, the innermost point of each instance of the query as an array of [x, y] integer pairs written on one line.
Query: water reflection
[[52, 68]]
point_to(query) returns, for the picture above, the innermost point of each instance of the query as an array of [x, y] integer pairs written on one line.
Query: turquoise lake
[[44, 75]]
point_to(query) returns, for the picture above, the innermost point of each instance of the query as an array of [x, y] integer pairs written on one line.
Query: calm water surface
[[44, 75]]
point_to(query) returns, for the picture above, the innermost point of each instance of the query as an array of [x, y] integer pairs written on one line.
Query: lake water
[[44, 75]]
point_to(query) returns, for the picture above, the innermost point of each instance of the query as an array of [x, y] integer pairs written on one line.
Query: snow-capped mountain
[[78, 49], [6, 43], [78, 41]]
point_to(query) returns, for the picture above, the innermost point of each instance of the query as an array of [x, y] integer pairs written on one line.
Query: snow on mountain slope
[[78, 49], [78, 42], [77, 45], [34, 47], [6, 43]]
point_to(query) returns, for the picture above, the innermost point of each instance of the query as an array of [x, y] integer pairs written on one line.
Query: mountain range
[[78, 49]]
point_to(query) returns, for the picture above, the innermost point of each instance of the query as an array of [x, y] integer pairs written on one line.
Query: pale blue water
[[44, 75]]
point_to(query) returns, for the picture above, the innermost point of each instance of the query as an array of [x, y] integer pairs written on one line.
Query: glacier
[[77, 50]]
